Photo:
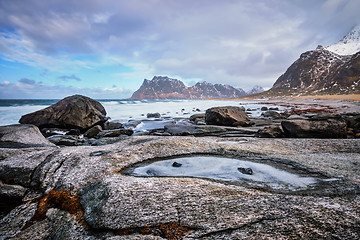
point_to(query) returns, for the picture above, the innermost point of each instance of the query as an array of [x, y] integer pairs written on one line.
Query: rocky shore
[[85, 191]]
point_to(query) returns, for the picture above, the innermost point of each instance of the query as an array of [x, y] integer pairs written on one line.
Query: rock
[[325, 116], [112, 125], [274, 109], [66, 140], [247, 171], [153, 115], [270, 132], [264, 108], [330, 128], [272, 114], [18, 167], [115, 133], [88, 195], [92, 132], [11, 191], [176, 164], [75, 132], [47, 132], [106, 140], [262, 121], [198, 119], [71, 112], [14, 222], [22, 136], [10, 196], [353, 122], [208, 130], [195, 117], [200, 122], [227, 116], [295, 116], [132, 124]]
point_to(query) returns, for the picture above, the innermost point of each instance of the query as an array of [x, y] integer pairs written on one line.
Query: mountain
[[320, 72], [168, 88], [349, 45], [208, 90], [256, 89], [162, 88], [331, 70]]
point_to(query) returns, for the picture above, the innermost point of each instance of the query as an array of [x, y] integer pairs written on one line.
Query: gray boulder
[[22, 135], [153, 115], [272, 114], [270, 132], [227, 116], [71, 112], [330, 128], [112, 125], [115, 133], [92, 132], [66, 140]]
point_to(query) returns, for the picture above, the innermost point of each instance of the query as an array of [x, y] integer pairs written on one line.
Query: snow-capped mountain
[[320, 72], [331, 70], [256, 89], [349, 45], [168, 88]]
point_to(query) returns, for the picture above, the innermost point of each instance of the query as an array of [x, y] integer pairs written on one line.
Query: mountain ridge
[[349, 44], [331, 70], [163, 87]]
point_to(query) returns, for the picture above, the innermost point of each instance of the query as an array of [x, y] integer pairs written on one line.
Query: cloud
[[27, 81], [72, 77], [242, 43], [31, 89]]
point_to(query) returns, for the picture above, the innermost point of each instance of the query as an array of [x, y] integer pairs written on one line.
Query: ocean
[[124, 110]]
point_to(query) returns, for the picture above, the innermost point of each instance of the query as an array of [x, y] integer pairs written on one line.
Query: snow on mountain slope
[[349, 45]]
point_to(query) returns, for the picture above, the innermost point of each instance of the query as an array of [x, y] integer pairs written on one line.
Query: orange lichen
[[8, 181], [171, 231], [63, 200]]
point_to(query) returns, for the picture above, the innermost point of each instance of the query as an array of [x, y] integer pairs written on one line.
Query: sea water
[[126, 110]]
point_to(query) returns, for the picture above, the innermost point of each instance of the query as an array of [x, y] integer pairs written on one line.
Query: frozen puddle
[[225, 169]]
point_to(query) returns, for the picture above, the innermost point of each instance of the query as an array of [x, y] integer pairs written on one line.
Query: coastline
[[76, 188]]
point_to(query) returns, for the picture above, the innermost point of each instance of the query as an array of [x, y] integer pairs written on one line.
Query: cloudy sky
[[106, 48]]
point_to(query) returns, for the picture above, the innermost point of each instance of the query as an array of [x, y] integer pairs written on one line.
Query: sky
[[104, 49]]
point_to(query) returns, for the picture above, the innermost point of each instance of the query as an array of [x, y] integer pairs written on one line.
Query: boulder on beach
[[71, 112], [22, 135], [153, 115], [272, 114], [227, 116], [92, 132], [330, 128], [270, 132]]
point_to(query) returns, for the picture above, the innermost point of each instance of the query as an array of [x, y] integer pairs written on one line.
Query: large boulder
[[22, 135], [227, 116], [330, 128], [71, 112]]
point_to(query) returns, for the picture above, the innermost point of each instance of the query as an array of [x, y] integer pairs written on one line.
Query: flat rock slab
[[118, 206], [21, 136]]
